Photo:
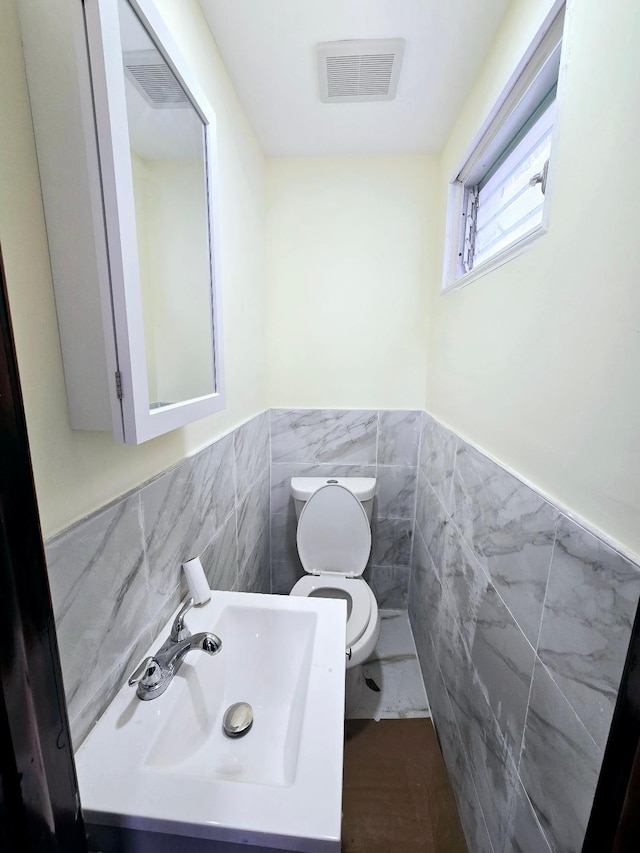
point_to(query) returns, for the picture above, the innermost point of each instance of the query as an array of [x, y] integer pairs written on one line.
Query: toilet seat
[[357, 590]]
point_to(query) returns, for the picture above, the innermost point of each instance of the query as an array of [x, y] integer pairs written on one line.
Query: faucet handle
[[179, 631], [148, 673]]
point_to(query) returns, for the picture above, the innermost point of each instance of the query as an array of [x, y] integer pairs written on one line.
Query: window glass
[[510, 198]]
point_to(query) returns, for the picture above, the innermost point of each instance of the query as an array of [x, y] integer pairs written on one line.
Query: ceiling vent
[[153, 78], [364, 70]]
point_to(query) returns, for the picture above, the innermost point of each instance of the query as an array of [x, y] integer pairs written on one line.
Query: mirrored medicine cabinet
[[126, 150]]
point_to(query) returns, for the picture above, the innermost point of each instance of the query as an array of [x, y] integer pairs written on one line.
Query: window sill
[[522, 245]]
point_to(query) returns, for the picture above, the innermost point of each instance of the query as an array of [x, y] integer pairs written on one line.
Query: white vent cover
[[363, 70], [153, 78]]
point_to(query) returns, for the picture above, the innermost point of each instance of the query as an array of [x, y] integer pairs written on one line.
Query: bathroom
[[508, 407]]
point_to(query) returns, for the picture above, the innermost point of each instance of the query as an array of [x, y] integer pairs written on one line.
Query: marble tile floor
[[395, 670]]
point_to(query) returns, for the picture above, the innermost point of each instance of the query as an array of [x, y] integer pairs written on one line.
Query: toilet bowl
[[334, 543]]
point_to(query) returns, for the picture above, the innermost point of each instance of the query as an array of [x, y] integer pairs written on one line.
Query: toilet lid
[[334, 533]]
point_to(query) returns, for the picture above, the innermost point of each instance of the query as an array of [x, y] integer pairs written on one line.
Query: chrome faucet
[[179, 630], [154, 674]]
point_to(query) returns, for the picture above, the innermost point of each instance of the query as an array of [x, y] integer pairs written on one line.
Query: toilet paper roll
[[197, 581]]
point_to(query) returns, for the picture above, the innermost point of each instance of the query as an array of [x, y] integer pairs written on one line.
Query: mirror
[[157, 180], [168, 164]]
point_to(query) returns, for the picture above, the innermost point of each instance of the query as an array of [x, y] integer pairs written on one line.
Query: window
[[498, 199]]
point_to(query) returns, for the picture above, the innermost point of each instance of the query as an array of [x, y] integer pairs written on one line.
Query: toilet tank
[[364, 488]]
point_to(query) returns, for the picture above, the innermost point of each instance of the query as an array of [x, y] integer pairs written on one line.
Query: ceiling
[[268, 47]]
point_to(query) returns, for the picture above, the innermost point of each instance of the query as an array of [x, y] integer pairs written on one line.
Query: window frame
[[539, 69]]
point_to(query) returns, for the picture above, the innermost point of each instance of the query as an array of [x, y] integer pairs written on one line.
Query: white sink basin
[[166, 766]]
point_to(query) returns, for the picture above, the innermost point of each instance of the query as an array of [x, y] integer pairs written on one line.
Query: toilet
[[334, 543]]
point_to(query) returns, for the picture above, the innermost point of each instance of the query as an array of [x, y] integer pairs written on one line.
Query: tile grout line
[[143, 537], [452, 485], [460, 741], [415, 505], [236, 506], [546, 586], [537, 659], [575, 713], [270, 460], [526, 717], [415, 651], [535, 817]]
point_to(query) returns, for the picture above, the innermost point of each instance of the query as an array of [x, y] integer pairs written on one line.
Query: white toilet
[[334, 543]]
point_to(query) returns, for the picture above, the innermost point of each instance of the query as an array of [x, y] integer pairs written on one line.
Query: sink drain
[[238, 719]]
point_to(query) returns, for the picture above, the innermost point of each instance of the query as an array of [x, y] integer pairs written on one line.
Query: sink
[[265, 660], [166, 766]]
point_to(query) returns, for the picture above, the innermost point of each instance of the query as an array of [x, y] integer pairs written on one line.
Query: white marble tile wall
[[348, 443], [115, 576], [521, 620]]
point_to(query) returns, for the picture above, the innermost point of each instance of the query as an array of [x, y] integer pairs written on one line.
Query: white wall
[[349, 252], [77, 472], [538, 362]]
